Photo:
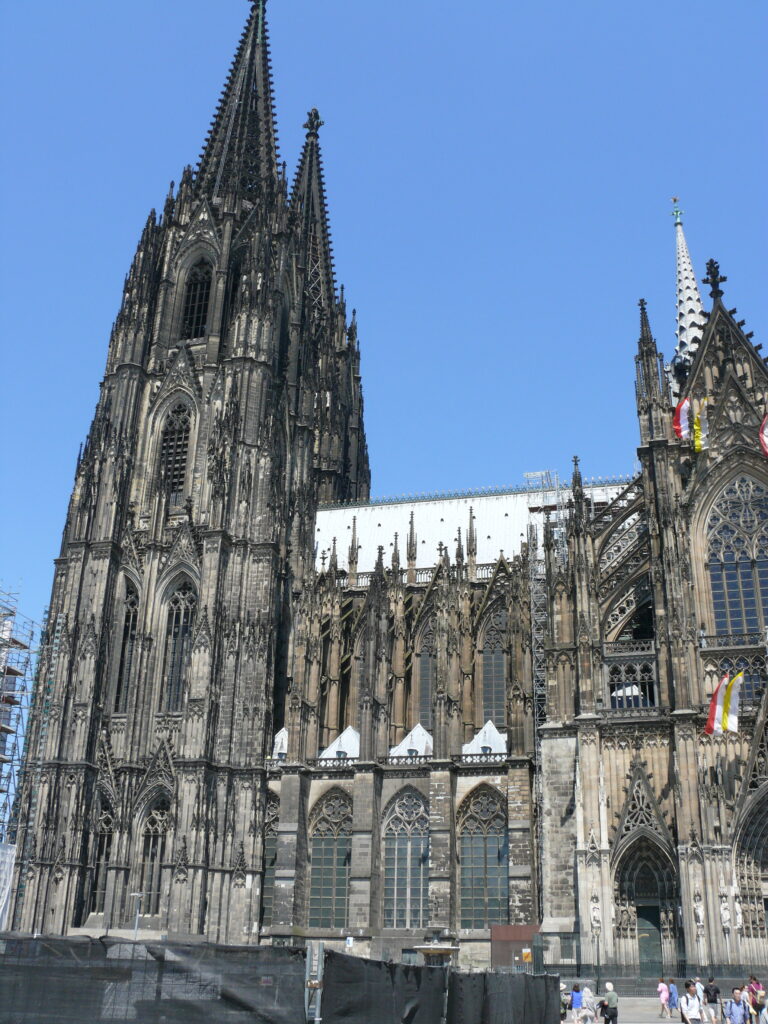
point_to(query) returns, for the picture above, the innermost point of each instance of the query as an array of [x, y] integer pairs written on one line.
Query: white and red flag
[[681, 421], [724, 707]]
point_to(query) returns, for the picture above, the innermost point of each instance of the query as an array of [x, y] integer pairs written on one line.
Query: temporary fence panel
[[503, 999], [89, 981], [357, 991]]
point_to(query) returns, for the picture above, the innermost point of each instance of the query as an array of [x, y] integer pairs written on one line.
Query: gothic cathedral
[[268, 712]]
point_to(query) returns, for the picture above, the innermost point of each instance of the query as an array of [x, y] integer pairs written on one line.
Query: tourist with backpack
[[690, 1004], [736, 1009]]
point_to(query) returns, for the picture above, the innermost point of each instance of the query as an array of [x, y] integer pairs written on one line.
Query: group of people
[[586, 1007], [703, 1004]]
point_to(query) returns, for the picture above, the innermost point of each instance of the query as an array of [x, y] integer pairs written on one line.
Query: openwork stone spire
[[690, 312], [240, 154]]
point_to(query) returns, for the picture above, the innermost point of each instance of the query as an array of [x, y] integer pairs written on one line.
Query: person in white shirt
[[690, 1004]]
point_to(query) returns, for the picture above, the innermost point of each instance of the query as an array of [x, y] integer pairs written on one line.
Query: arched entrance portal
[[751, 912], [646, 895]]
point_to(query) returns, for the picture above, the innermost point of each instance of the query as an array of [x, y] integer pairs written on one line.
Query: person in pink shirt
[[663, 990]]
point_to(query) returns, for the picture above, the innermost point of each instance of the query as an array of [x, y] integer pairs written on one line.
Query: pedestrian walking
[[576, 1002], [690, 1004], [736, 1009], [755, 992], [674, 999], [663, 989], [763, 1018], [609, 1004], [588, 1006], [712, 1002]]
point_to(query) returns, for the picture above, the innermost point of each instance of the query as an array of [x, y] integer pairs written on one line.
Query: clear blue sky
[[499, 178]]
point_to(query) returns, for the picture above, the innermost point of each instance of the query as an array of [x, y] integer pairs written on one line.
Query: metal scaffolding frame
[[17, 638]]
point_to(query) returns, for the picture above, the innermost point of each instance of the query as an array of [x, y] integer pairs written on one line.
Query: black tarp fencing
[[95, 981], [357, 991], [503, 999]]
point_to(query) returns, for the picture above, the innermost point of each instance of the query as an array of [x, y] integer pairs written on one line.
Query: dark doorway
[[649, 940]]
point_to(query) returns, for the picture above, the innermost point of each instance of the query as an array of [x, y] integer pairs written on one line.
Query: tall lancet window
[[174, 451], [127, 647], [194, 321], [406, 862], [427, 673], [182, 606], [154, 836], [271, 817], [104, 833], [331, 850], [495, 668], [737, 539], [484, 859]]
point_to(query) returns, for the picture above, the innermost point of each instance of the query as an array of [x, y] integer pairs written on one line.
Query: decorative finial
[[714, 279], [645, 326], [677, 213], [313, 122]]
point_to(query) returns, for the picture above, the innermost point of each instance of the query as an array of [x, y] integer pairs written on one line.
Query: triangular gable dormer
[[497, 588], [724, 346], [201, 230], [160, 774], [418, 740], [184, 549], [641, 813], [180, 375]]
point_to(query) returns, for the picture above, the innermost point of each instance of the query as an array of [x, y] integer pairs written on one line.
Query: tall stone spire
[[308, 206], [240, 154], [690, 312]]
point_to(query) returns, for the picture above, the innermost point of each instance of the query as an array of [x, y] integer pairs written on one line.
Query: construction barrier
[[94, 981]]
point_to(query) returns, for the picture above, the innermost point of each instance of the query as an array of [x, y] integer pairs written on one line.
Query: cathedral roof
[[501, 518]]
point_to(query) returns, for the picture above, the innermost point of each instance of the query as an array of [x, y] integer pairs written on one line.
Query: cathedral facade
[[271, 710]]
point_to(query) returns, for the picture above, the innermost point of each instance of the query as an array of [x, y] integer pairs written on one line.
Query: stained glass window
[[406, 862], [737, 533], [331, 849], [484, 859], [270, 860]]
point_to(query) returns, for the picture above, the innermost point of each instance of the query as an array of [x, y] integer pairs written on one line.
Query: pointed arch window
[[154, 836], [127, 647], [737, 543], [331, 850], [197, 296], [174, 453], [427, 674], [495, 668], [105, 830], [406, 862], [484, 864], [272, 816], [182, 607]]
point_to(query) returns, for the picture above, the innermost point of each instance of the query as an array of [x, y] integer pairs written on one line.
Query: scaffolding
[[17, 638]]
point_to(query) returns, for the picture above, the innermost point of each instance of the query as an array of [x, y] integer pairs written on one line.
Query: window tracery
[[197, 294], [484, 860], [271, 817], [331, 848], [127, 648], [406, 862], [182, 606], [737, 543], [104, 834], [427, 663], [154, 835], [174, 451], [494, 660]]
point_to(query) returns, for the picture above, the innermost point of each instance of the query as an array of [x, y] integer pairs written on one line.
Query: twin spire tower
[[231, 406]]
